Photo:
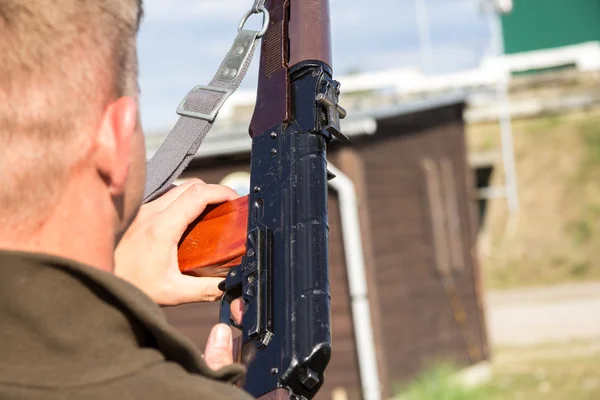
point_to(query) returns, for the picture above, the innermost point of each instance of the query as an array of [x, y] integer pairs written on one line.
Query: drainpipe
[[359, 300]]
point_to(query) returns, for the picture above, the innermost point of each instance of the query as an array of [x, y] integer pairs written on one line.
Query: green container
[[545, 24]]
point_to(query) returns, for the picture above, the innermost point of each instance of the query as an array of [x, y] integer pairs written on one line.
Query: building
[[546, 24], [404, 276]]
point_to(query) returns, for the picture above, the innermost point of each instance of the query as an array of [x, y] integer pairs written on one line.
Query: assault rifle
[[277, 261]]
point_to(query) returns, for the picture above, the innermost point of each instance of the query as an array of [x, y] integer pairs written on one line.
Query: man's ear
[[113, 148]]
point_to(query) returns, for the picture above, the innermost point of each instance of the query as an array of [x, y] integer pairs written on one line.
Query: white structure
[[411, 81], [365, 94]]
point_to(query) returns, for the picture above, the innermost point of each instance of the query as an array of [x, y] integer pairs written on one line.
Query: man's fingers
[[237, 310], [219, 348], [190, 204], [193, 289], [169, 197]]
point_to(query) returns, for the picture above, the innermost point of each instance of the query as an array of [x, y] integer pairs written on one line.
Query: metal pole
[[424, 36], [504, 117]]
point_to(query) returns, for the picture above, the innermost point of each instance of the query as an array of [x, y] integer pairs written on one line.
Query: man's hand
[[219, 350], [147, 253]]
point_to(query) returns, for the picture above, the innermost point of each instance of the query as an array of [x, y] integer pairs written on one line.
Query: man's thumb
[[219, 348]]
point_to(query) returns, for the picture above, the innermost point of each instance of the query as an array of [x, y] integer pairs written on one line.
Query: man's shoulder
[[161, 381], [118, 343], [167, 380]]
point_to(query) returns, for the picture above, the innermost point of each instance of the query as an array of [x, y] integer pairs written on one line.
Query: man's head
[[69, 108]]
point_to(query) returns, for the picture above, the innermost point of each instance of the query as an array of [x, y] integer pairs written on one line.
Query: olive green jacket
[[69, 331]]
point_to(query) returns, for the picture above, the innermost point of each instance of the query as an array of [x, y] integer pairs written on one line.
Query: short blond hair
[[61, 62]]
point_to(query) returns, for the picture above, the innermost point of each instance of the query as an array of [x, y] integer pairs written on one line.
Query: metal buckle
[[258, 8], [207, 117]]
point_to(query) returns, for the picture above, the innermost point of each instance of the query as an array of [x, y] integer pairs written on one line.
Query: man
[[72, 172]]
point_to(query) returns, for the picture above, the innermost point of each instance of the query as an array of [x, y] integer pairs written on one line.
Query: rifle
[[277, 261]]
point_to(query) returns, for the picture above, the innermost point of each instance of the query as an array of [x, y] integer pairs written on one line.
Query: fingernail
[[223, 336]]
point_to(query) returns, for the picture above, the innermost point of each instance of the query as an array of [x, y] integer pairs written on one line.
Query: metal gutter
[[357, 282]]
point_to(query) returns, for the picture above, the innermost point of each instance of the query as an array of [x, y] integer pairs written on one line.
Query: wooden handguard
[[216, 241]]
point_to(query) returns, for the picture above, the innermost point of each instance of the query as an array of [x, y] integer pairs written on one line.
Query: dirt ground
[[532, 316], [546, 343], [545, 346]]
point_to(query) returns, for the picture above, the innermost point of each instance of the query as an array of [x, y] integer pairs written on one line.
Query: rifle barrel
[[310, 37]]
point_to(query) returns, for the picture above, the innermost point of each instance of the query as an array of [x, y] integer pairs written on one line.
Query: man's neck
[[80, 227]]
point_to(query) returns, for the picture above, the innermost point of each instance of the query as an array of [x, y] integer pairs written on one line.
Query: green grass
[[439, 383], [539, 375], [547, 372]]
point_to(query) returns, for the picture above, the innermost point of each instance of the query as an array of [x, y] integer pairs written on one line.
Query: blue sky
[[182, 42]]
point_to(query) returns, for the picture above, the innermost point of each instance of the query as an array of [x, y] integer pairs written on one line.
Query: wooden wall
[[196, 320], [422, 235], [422, 277]]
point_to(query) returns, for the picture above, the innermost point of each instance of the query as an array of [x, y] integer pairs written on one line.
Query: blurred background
[[467, 202]]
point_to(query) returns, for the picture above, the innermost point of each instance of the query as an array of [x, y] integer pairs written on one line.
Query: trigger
[[232, 288]]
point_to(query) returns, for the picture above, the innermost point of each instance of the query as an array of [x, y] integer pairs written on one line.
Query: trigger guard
[[235, 324]]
